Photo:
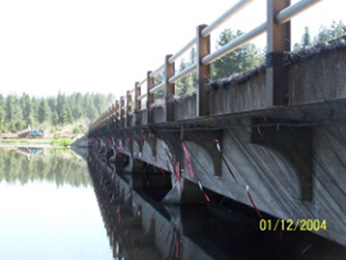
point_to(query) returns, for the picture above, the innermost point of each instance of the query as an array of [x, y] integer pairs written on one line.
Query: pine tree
[[335, 30], [44, 112], [2, 112], [240, 60], [14, 114]]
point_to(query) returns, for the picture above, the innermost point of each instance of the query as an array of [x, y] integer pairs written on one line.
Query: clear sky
[[106, 46]]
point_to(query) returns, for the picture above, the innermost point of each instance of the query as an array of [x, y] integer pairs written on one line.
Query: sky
[[105, 46]]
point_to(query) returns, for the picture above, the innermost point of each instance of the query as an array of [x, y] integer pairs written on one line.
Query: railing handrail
[[182, 50], [183, 73], [157, 87], [281, 17], [155, 72], [236, 43], [285, 15], [224, 17]]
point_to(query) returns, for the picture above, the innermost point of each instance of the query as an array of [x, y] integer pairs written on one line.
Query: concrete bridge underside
[[291, 159]]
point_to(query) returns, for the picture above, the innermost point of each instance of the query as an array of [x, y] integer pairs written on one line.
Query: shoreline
[[40, 142]]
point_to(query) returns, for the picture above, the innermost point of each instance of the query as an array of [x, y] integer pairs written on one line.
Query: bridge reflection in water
[[140, 227]]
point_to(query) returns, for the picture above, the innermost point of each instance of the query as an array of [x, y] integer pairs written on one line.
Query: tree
[[188, 82], [44, 112], [305, 40], [183, 84], [2, 112], [17, 113], [54, 119], [335, 30], [66, 116], [14, 114], [240, 60]]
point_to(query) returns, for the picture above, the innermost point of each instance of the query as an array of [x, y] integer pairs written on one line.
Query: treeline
[[17, 112], [326, 33]]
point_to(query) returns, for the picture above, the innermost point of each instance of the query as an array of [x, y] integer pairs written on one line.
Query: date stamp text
[[292, 225]]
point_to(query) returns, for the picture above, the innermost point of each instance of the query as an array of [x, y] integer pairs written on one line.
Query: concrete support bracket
[[206, 139], [293, 142]]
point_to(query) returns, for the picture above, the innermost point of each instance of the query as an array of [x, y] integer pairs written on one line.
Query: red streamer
[[253, 202], [187, 158]]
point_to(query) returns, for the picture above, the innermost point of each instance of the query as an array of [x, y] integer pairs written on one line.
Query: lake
[[54, 204], [48, 208]]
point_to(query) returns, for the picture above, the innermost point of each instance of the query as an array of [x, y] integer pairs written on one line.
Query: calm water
[[56, 205], [48, 208]]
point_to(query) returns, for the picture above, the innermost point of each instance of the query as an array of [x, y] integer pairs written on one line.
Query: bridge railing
[[277, 26]]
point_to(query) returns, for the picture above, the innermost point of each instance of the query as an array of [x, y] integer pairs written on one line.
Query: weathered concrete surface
[[319, 79]]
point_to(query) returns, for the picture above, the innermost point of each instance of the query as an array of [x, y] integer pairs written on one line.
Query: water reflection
[[25, 164], [48, 208], [139, 227]]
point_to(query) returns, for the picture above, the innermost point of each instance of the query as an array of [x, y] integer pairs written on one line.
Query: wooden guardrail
[[277, 26]]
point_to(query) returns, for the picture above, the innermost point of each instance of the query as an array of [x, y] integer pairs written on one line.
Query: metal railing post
[[109, 118], [128, 108], [122, 112], [169, 89], [137, 103], [117, 113], [203, 73], [114, 119], [278, 41], [150, 97], [111, 111]]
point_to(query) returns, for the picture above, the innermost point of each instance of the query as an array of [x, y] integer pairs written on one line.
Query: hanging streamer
[[168, 236], [177, 170], [128, 140], [187, 158], [253, 202], [217, 143], [161, 230], [204, 193], [170, 159], [177, 247], [162, 170]]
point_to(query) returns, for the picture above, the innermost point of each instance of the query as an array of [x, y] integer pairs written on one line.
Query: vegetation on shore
[[63, 142], [59, 115]]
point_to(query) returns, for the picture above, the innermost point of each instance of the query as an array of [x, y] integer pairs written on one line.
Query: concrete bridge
[[273, 138]]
